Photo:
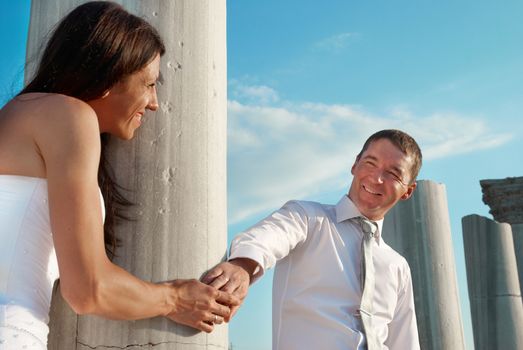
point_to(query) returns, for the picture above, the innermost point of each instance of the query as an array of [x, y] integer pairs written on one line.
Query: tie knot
[[368, 227]]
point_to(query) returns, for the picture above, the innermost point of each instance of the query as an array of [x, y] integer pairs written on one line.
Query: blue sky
[[308, 82]]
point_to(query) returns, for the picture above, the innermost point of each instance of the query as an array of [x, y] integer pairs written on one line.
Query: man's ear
[[408, 193], [354, 165]]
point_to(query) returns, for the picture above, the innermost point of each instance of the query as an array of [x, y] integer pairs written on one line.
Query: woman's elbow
[[83, 301]]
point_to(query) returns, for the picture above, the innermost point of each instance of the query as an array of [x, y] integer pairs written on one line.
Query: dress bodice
[[28, 265]]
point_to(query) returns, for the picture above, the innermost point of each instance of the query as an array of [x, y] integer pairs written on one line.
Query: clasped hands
[[217, 299]]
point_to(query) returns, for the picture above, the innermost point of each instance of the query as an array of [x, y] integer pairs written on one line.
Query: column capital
[[505, 198]]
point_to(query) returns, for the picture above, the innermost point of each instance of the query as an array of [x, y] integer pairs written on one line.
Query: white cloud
[[335, 42], [258, 94], [295, 150]]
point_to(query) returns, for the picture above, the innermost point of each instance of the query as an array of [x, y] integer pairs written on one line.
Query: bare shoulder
[[59, 119], [58, 110], [64, 129], [45, 109], [36, 127]]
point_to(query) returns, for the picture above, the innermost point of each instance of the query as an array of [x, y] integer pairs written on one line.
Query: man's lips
[[367, 189]]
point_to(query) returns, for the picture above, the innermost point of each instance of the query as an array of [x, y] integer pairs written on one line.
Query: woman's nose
[[153, 102]]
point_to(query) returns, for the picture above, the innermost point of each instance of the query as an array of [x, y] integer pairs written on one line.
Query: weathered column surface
[[505, 199], [176, 168], [419, 229], [517, 236], [494, 293]]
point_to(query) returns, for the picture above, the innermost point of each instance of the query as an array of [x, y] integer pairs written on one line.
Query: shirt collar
[[346, 209]]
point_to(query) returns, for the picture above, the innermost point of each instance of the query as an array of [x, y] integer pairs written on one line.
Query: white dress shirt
[[316, 287]]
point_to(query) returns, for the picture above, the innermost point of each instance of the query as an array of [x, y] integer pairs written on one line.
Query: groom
[[337, 284]]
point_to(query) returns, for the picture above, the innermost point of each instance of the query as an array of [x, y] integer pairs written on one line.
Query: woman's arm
[[69, 144]]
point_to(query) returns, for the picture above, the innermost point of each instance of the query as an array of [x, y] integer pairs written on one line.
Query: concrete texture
[[176, 168], [419, 229], [494, 291], [505, 199], [517, 236]]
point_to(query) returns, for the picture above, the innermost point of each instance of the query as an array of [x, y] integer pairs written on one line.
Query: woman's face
[[121, 109]]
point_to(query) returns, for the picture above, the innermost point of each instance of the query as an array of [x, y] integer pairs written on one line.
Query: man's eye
[[394, 176]]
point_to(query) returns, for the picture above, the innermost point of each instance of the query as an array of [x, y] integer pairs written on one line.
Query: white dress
[[28, 266]]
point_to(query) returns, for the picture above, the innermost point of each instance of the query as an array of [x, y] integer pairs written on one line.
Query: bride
[[96, 77]]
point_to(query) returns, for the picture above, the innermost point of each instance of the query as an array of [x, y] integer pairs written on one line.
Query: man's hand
[[232, 277], [200, 306]]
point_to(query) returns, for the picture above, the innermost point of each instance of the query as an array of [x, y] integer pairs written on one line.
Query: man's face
[[381, 178]]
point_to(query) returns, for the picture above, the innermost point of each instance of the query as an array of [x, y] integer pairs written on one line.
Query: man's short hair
[[404, 142]]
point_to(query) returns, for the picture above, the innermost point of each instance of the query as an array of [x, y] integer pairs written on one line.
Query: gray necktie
[[369, 228]]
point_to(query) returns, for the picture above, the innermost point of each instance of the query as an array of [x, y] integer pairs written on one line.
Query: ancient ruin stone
[[505, 199]]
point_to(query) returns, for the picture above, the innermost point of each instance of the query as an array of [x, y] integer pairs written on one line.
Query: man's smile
[[369, 190]]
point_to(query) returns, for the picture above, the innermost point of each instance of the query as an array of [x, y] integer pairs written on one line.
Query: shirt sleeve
[[272, 238], [403, 330]]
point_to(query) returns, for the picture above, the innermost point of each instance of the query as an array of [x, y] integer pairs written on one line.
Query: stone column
[[419, 229], [176, 168], [517, 236], [505, 199], [494, 292]]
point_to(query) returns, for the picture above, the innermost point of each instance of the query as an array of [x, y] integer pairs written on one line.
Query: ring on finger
[[215, 319]]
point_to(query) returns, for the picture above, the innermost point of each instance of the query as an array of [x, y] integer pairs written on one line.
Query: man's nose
[[378, 176]]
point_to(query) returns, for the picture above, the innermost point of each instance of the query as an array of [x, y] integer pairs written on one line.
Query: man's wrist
[[250, 266]]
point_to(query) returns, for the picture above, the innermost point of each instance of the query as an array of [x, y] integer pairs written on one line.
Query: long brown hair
[[95, 46]]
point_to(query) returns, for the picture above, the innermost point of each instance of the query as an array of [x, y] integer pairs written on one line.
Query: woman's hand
[[200, 306], [234, 277]]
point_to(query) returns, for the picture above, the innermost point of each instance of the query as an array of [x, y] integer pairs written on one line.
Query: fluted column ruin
[[505, 199], [419, 229], [493, 283]]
